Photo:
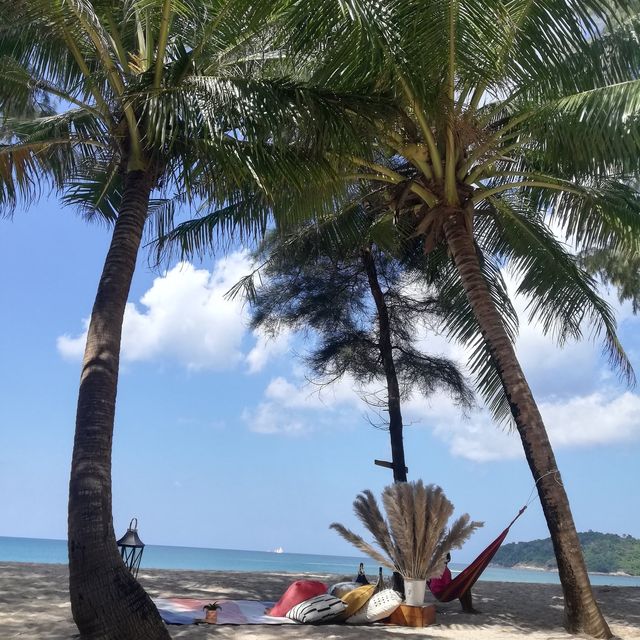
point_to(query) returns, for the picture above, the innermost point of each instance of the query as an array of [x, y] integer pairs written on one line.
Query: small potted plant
[[211, 612]]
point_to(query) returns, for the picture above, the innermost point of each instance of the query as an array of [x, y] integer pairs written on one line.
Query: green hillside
[[603, 552]]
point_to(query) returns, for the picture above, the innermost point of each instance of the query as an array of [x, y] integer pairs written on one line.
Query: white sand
[[34, 604]]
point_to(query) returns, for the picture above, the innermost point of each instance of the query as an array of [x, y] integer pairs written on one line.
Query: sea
[[164, 557]]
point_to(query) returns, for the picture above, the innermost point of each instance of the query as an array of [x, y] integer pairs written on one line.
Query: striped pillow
[[323, 608]]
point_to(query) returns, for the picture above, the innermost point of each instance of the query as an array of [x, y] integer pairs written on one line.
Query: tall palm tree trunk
[[386, 352], [106, 601], [582, 613]]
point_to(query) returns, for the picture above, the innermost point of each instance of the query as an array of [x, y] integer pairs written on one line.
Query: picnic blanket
[[189, 611]]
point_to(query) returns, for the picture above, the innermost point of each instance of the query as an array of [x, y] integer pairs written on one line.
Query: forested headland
[[603, 552]]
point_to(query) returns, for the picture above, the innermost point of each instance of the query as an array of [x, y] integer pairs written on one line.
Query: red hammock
[[467, 578]]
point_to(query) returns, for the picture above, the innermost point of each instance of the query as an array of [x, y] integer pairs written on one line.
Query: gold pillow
[[356, 599]]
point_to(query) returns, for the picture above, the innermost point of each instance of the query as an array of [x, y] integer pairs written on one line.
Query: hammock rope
[[468, 577]]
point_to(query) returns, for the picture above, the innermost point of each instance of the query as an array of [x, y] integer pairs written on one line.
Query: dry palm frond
[[367, 510], [399, 504], [420, 529], [415, 539], [358, 542]]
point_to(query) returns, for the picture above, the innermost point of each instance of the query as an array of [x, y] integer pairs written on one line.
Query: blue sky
[[221, 442]]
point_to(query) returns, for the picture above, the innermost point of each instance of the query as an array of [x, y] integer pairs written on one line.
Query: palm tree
[[363, 307], [511, 117], [156, 104]]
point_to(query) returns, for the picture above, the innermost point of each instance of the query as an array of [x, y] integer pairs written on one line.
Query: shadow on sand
[[34, 603]]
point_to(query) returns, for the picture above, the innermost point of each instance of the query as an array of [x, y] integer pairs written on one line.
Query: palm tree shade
[[511, 116], [128, 110]]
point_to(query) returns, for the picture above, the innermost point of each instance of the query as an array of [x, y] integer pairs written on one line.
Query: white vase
[[414, 591]]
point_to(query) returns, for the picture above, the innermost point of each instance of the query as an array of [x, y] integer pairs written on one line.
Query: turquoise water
[[161, 557]]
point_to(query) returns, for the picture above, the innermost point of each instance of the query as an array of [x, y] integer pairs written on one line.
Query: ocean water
[[161, 557]]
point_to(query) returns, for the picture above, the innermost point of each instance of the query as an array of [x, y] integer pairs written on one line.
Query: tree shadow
[[34, 603]]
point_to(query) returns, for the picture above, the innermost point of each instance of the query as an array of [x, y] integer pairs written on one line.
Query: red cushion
[[297, 592]]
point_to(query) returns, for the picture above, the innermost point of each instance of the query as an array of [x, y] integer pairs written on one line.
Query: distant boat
[[278, 550]]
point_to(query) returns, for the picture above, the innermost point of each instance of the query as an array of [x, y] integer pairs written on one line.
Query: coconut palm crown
[[415, 537], [518, 128], [128, 110]]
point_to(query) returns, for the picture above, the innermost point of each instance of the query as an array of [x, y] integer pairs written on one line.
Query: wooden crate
[[408, 616]]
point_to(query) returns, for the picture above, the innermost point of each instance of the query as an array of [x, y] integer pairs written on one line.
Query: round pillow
[[381, 605], [297, 592], [357, 598]]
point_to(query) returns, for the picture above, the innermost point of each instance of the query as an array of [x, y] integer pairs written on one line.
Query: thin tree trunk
[[582, 613], [386, 352], [106, 601]]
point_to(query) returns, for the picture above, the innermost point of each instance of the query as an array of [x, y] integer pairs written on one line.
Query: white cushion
[[381, 605], [323, 608]]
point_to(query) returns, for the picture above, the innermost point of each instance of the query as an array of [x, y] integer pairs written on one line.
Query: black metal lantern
[[131, 547]]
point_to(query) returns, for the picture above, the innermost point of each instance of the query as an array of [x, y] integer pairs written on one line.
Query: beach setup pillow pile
[[379, 607], [323, 608], [297, 592], [307, 601]]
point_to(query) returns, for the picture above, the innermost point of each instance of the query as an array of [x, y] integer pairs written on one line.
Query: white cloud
[[579, 399], [184, 317], [73, 348], [306, 395], [300, 407], [581, 421], [294, 408], [575, 369], [187, 317], [593, 419], [267, 347], [576, 391], [269, 419]]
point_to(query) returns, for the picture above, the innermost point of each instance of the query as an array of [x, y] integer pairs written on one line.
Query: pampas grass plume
[[415, 537]]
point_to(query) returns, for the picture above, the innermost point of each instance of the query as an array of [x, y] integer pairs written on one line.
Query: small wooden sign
[[408, 616], [388, 465]]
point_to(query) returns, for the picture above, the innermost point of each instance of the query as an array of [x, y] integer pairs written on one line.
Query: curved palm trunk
[[582, 613], [106, 600], [386, 352]]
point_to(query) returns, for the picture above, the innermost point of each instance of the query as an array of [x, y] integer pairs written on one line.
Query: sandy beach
[[34, 603]]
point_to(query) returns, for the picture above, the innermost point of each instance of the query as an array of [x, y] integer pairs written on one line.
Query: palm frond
[[43, 152], [562, 296]]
